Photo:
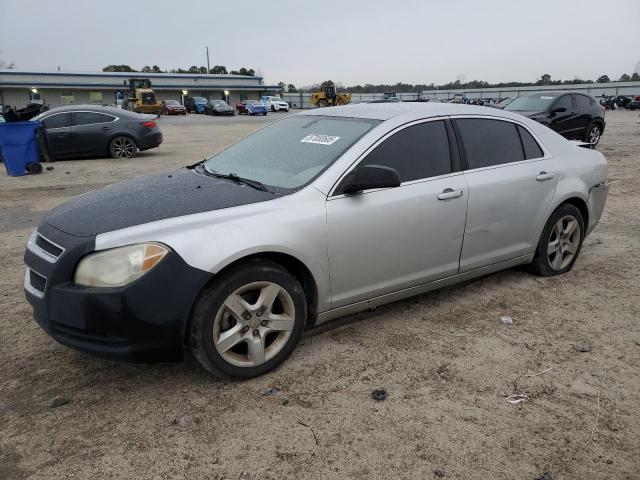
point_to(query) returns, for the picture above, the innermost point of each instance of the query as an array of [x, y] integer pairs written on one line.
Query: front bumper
[[144, 321]]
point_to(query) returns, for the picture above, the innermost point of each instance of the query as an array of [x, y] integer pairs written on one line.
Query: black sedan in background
[[90, 130], [575, 116], [218, 107]]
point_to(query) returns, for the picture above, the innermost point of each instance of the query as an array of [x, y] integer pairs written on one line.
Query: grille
[[48, 246], [37, 281]]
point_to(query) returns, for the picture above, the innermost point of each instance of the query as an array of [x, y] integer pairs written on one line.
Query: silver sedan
[[319, 215]]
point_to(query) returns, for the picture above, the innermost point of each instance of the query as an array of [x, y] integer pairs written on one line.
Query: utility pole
[[208, 67]]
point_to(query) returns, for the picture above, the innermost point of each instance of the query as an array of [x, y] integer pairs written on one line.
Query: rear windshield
[[538, 103], [199, 99], [292, 152]]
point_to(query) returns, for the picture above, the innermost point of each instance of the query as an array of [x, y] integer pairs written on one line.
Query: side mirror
[[559, 110], [372, 176]]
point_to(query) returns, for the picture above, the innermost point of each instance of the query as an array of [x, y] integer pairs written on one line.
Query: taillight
[[149, 124]]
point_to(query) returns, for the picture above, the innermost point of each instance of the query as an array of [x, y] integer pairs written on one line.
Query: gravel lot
[[445, 359]]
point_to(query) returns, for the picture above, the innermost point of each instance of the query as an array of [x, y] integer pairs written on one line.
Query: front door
[[58, 132], [565, 123], [381, 241], [511, 187]]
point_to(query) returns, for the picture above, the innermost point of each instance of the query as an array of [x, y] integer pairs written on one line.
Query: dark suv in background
[[575, 116]]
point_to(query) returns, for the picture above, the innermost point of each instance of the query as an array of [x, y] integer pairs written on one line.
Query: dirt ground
[[445, 359]]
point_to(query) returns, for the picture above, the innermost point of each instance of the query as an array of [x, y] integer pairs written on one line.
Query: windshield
[[171, 102], [219, 103], [199, 100], [291, 152], [531, 103]]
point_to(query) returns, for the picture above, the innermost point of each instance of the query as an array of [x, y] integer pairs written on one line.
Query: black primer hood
[[148, 199]]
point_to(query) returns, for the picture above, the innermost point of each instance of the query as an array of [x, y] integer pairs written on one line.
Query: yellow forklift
[[142, 98], [329, 96]]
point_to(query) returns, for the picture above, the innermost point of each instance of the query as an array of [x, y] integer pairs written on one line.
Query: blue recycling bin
[[19, 146]]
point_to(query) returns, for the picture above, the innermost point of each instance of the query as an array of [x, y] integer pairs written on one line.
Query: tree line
[[400, 87], [217, 69]]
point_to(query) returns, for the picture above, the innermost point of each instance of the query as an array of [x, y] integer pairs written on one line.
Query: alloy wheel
[[563, 242], [123, 147], [253, 324], [594, 134]]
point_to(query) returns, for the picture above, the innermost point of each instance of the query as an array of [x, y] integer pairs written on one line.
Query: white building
[[62, 88]]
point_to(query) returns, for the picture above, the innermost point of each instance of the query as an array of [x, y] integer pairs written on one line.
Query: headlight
[[119, 266]]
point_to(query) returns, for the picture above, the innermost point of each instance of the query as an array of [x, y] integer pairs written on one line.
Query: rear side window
[[87, 118], [416, 152], [489, 142], [582, 101], [57, 121], [531, 147]]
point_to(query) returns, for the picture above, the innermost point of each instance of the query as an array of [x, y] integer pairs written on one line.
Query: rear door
[[511, 187], [91, 132], [58, 131], [384, 240]]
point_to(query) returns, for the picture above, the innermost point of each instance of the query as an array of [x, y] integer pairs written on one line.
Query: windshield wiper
[[236, 178]]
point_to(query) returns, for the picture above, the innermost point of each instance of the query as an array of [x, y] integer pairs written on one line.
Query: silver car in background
[[321, 214]]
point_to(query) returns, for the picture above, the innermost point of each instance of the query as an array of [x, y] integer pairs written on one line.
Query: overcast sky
[[348, 41]]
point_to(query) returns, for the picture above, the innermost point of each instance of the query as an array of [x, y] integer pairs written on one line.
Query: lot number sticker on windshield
[[320, 139]]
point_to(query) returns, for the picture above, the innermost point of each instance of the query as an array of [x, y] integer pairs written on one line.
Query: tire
[[34, 168], [322, 103], [264, 114], [593, 133], [123, 147], [243, 287], [556, 253], [273, 109]]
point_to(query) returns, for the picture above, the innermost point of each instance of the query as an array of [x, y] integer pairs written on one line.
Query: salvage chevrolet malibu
[[319, 215]]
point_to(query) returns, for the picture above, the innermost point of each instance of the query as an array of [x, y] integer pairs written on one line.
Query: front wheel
[[122, 147], [560, 242], [593, 134], [249, 321]]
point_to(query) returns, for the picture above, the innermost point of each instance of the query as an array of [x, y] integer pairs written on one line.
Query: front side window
[[416, 152], [291, 152], [489, 142], [58, 120], [582, 101], [564, 101], [87, 118]]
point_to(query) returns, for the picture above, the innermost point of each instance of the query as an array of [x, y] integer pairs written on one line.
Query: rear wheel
[[593, 134], [323, 103], [560, 242], [248, 321], [273, 109], [122, 147]]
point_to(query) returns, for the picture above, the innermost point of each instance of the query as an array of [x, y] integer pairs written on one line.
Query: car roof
[[91, 108], [408, 110]]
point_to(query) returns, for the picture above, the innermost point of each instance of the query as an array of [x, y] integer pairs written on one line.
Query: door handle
[[62, 134], [542, 176], [448, 193], [106, 129]]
